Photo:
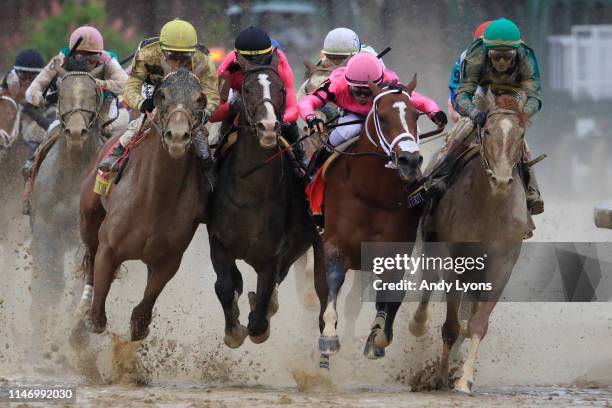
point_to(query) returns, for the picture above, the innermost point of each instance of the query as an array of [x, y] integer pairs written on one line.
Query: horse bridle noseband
[[94, 113], [278, 110], [480, 135], [193, 120]]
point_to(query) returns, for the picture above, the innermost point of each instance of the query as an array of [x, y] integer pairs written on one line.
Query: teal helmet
[[502, 33]]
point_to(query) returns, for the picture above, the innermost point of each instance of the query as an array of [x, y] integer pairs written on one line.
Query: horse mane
[[511, 103]]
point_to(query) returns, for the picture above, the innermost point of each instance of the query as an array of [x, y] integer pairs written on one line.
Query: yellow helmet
[[178, 35]]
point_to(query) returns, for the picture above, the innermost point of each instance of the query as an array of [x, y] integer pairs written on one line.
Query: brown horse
[[366, 200], [485, 205], [153, 213], [260, 217]]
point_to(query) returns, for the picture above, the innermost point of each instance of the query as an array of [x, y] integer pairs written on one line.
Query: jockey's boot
[[535, 204], [318, 159], [200, 143], [110, 162], [439, 182], [26, 170]]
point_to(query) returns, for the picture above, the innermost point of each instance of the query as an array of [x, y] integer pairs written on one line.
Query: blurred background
[[572, 39]]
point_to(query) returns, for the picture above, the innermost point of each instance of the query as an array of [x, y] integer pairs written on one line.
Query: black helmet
[[29, 61], [253, 41]]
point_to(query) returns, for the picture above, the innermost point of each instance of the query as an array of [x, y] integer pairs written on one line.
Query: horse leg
[[477, 330], [335, 274], [228, 288], [264, 303], [79, 335], [157, 277], [105, 265], [387, 305], [322, 290], [450, 333], [418, 325]]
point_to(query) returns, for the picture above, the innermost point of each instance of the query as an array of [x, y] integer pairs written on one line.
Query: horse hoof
[[262, 337], [235, 338], [417, 329], [329, 345], [140, 334], [94, 327], [380, 338], [371, 350], [464, 387]]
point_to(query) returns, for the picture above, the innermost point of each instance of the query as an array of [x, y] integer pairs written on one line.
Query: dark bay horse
[[55, 195], [262, 217], [366, 200], [154, 211], [485, 205]]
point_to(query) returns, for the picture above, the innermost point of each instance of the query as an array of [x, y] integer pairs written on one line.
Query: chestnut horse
[[366, 200], [485, 205], [260, 217], [154, 211]]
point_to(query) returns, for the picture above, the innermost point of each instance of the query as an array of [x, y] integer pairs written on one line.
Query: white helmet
[[341, 41]]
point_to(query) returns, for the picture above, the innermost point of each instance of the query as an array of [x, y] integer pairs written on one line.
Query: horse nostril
[[186, 136], [277, 126], [510, 180], [167, 135], [260, 127]]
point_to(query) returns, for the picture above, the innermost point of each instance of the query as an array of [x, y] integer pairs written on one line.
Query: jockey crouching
[[501, 62], [178, 46], [256, 47], [89, 55], [348, 88]]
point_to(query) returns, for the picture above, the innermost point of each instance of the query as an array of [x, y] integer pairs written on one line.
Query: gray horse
[[55, 197]]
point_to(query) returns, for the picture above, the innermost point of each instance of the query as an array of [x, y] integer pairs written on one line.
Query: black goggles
[[502, 55], [361, 91]]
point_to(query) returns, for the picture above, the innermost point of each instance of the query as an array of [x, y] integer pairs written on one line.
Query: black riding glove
[[315, 124], [439, 118], [52, 97], [479, 118], [147, 105]]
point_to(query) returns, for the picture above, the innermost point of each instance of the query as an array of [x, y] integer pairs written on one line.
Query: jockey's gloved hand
[[315, 124], [147, 105], [479, 118], [52, 97], [439, 118]]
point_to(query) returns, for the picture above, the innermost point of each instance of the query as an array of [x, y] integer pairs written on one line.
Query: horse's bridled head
[[177, 133], [409, 165]]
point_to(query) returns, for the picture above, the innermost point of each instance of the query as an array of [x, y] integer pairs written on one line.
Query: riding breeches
[[341, 134]]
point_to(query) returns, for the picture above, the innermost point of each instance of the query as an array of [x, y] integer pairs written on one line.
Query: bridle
[[83, 111], [194, 121], [279, 110], [480, 135]]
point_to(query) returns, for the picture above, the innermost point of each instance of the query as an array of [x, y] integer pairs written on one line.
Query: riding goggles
[[361, 91], [502, 55]]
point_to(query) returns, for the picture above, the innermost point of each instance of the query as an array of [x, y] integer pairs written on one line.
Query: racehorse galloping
[[153, 213], [259, 217], [366, 200], [486, 205], [56, 188]]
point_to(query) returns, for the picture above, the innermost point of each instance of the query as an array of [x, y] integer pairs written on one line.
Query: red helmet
[[480, 30], [363, 67]]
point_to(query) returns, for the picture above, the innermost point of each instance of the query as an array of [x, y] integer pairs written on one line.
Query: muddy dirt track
[[542, 354]]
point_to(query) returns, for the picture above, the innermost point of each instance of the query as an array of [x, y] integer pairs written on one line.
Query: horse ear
[[412, 84], [243, 62], [98, 72], [310, 67], [374, 88], [199, 69], [165, 67], [275, 59]]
